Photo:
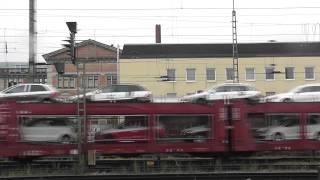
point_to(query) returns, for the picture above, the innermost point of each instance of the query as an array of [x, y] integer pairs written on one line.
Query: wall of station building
[[147, 72]]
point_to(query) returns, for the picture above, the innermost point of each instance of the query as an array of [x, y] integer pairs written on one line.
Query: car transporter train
[[52, 129]]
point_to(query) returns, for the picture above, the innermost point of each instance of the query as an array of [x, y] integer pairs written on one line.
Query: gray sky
[[182, 21]]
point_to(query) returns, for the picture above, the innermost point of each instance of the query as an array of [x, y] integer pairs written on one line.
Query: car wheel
[[278, 137], [65, 139], [46, 100], [287, 100], [201, 101]]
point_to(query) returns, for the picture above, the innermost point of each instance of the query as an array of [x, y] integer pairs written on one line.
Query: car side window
[[315, 88], [36, 88], [117, 89], [18, 89], [42, 123], [123, 89], [136, 88], [107, 90], [221, 89], [238, 88], [132, 88], [305, 89], [313, 119]]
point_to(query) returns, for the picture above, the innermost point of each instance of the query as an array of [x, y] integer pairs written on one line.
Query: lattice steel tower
[[234, 46]]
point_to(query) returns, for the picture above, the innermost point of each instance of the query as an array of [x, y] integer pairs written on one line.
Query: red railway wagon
[[282, 126], [35, 129]]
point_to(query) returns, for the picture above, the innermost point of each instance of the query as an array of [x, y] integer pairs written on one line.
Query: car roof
[[26, 84], [234, 84], [125, 85], [32, 84], [306, 85]]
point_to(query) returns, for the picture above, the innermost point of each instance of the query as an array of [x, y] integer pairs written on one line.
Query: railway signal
[[71, 50]]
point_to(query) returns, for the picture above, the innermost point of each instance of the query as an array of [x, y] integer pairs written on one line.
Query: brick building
[[100, 66]]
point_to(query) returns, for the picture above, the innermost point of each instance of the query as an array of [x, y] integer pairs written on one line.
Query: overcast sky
[[120, 22]]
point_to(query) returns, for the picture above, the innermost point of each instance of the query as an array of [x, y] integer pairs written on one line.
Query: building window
[[14, 80], [250, 74], [229, 74], [66, 81], [211, 74], [112, 79], [92, 81], [289, 73], [40, 79], [309, 73], [191, 74], [171, 74], [269, 73]]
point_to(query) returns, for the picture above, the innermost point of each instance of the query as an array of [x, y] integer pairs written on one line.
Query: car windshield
[[15, 89]]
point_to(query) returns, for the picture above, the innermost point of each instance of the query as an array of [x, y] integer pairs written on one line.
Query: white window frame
[[254, 74], [293, 73], [174, 77], [314, 74], [66, 82], [188, 75], [226, 71], [214, 74], [265, 73]]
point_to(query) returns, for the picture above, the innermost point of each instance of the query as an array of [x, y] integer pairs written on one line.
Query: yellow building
[[179, 69]]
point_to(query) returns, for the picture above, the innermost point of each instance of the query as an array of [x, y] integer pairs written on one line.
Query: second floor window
[[309, 73], [269, 73], [171, 74], [250, 74], [211, 74], [111, 79], [289, 73], [92, 81], [66, 82], [191, 74], [229, 74]]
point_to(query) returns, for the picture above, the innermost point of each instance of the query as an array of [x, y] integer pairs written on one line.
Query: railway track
[[165, 164], [310, 175]]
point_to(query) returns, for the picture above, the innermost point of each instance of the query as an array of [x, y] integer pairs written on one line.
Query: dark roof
[[272, 49]]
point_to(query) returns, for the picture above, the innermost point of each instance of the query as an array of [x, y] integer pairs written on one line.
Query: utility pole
[[234, 46], [32, 40]]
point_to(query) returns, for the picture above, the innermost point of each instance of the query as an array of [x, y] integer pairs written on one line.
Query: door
[[37, 92]]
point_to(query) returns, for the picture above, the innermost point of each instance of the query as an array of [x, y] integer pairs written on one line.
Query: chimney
[[158, 33]]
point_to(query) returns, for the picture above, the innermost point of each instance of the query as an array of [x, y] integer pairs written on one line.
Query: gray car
[[30, 92], [122, 92], [224, 91]]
